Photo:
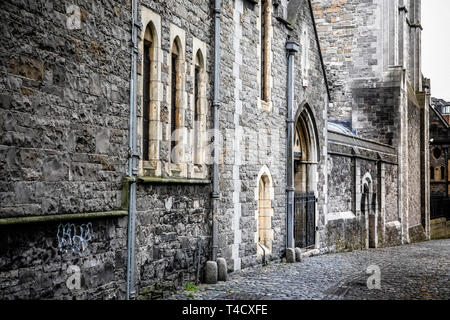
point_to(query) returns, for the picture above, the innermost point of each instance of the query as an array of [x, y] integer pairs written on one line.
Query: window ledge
[[154, 180]]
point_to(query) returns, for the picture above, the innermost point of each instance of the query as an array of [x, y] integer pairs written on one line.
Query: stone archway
[[306, 157]]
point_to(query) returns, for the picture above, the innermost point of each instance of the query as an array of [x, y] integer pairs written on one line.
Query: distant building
[[439, 160]]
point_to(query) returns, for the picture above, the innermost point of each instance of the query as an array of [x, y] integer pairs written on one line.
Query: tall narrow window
[[263, 50], [146, 101], [173, 105], [198, 112], [442, 173], [196, 115], [431, 173]]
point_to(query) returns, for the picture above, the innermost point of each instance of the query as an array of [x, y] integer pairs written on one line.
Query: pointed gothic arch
[[306, 159]]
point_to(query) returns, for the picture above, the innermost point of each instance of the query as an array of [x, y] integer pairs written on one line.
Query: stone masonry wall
[[64, 109], [38, 261], [348, 34], [253, 138], [256, 138], [172, 221], [173, 218], [349, 168], [414, 214]]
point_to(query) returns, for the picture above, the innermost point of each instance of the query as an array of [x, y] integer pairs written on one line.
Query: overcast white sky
[[436, 46]]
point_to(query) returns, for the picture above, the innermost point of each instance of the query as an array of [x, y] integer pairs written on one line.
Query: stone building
[[372, 53], [439, 164], [140, 139]]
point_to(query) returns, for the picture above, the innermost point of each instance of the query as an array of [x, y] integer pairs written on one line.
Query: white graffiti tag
[[75, 238]]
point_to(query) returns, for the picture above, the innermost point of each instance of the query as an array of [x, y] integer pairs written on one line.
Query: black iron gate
[[440, 208], [305, 220]]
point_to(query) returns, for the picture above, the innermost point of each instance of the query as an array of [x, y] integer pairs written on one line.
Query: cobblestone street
[[417, 271]]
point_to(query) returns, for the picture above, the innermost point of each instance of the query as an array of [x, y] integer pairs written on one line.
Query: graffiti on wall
[[73, 237]]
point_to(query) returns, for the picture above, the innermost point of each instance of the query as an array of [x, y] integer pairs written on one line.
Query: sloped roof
[[339, 128], [436, 105]]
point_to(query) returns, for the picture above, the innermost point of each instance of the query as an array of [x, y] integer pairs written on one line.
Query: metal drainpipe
[[291, 48], [215, 193], [132, 163]]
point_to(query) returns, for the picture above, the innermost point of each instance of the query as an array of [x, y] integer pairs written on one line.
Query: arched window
[[437, 153], [432, 173], [147, 95], [305, 54], [442, 173], [265, 211], [199, 113], [176, 114]]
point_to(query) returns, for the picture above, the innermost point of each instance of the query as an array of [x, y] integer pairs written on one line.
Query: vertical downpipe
[[132, 163], [291, 48], [215, 193]]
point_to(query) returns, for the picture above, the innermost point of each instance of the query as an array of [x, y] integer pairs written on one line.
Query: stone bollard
[[222, 269], [211, 272], [298, 254], [290, 255]]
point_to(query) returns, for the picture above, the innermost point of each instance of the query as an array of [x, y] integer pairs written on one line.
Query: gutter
[[291, 48], [132, 162], [215, 181]]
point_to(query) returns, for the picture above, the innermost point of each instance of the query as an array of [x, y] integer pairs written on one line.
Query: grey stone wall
[[244, 123], [37, 261], [64, 107], [352, 162], [172, 222], [248, 130], [414, 165], [63, 146], [391, 176], [349, 35]]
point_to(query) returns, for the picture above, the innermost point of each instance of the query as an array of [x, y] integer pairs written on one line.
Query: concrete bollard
[[290, 255], [298, 254], [211, 272], [222, 269]]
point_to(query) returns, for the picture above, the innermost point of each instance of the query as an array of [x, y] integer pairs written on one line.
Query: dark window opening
[[173, 109], [442, 173], [146, 101], [437, 153], [263, 50], [196, 113], [431, 173]]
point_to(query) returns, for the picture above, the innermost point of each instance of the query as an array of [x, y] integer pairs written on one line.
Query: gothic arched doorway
[[305, 179]]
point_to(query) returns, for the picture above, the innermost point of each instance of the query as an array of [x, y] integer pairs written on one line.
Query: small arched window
[[176, 100], [442, 173], [199, 108], [432, 173], [437, 153], [148, 58]]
